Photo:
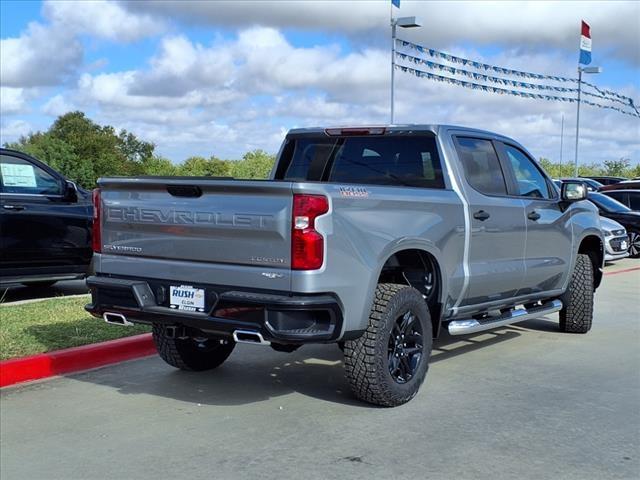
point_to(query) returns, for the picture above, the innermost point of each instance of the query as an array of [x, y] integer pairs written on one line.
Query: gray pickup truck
[[374, 238]]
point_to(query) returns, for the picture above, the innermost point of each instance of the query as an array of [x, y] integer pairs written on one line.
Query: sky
[[225, 77]]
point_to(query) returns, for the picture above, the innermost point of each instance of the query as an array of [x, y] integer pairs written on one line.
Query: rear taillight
[[96, 234], [307, 245]]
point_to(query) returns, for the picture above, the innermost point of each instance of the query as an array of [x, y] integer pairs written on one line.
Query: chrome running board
[[463, 327]]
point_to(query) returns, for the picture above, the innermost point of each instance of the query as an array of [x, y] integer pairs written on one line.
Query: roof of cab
[[404, 128]]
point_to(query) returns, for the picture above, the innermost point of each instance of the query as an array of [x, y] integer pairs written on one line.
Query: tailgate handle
[[184, 191]]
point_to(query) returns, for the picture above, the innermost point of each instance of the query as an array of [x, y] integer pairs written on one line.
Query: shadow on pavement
[[58, 289], [254, 374]]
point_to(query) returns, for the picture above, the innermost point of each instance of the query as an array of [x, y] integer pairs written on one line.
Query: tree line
[[613, 168], [84, 151]]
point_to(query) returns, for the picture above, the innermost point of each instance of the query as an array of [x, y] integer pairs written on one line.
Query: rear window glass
[[378, 160]]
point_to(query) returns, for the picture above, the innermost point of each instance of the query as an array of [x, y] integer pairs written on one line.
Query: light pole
[[403, 22], [580, 71]]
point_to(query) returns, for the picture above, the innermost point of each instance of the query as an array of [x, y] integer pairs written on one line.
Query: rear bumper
[[280, 318]]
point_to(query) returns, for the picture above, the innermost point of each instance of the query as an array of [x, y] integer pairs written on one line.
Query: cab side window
[[19, 176], [481, 165], [530, 182]]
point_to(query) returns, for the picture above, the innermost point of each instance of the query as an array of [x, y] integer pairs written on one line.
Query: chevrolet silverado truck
[[374, 238]]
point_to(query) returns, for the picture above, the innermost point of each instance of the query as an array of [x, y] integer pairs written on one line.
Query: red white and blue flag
[[395, 3], [585, 44]]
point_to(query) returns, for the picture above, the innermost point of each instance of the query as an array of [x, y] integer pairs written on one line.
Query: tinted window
[[379, 160], [529, 179], [619, 196], [20, 176], [481, 165], [634, 200], [607, 204]]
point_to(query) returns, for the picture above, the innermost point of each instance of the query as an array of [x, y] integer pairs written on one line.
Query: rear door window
[[375, 160], [634, 200], [481, 165]]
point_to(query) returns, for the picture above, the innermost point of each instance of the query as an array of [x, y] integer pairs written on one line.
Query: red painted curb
[[623, 271], [76, 359]]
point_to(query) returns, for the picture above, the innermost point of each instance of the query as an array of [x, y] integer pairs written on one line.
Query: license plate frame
[[187, 298]]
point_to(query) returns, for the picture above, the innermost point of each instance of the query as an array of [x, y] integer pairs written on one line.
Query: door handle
[[13, 207], [534, 216], [481, 215]]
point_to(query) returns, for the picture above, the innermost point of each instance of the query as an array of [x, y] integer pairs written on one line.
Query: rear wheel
[[191, 353], [387, 365], [576, 315]]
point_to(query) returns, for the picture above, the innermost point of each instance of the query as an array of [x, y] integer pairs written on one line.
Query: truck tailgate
[[197, 219]]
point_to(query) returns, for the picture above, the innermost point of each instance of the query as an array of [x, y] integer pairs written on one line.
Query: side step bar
[[463, 327]]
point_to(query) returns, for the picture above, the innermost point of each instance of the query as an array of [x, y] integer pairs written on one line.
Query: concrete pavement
[[519, 402]]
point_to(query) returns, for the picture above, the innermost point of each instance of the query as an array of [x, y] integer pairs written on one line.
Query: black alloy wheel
[[405, 348], [634, 244]]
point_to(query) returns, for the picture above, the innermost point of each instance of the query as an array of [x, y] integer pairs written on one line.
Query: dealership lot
[[519, 402]]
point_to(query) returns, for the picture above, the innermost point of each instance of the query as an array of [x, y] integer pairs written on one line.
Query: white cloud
[[12, 100], [11, 131], [57, 105], [40, 56], [528, 24], [102, 19], [239, 94]]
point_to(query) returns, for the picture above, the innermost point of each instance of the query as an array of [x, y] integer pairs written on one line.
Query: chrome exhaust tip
[[116, 319], [249, 336]]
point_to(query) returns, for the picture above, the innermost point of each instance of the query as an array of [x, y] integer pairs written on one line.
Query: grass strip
[[54, 324]]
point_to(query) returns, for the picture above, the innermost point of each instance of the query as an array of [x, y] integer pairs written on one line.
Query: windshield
[[607, 204]]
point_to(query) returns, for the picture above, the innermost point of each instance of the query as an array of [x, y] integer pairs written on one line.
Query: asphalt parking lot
[[519, 402]]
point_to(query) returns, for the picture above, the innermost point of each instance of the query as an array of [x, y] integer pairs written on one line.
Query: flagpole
[[393, 59], [561, 140], [575, 167]]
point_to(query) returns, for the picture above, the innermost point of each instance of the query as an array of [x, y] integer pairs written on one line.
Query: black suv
[[45, 223]]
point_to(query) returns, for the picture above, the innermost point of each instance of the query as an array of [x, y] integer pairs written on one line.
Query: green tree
[[256, 164], [159, 166], [83, 151], [617, 168], [57, 154], [203, 167]]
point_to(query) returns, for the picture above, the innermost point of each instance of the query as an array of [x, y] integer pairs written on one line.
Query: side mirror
[[573, 191], [70, 192]]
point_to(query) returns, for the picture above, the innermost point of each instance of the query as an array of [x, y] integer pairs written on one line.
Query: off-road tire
[[576, 315], [366, 359], [190, 354]]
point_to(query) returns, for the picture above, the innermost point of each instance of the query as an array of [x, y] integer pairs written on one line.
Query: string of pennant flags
[[503, 91], [601, 94], [498, 80]]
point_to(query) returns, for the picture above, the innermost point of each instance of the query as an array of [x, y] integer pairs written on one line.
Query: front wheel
[[576, 315], [191, 353], [634, 244], [389, 362]]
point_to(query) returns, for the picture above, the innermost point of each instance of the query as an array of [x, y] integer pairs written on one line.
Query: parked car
[[372, 238], [616, 242], [607, 180], [45, 222], [592, 185], [630, 198], [610, 208], [625, 185]]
